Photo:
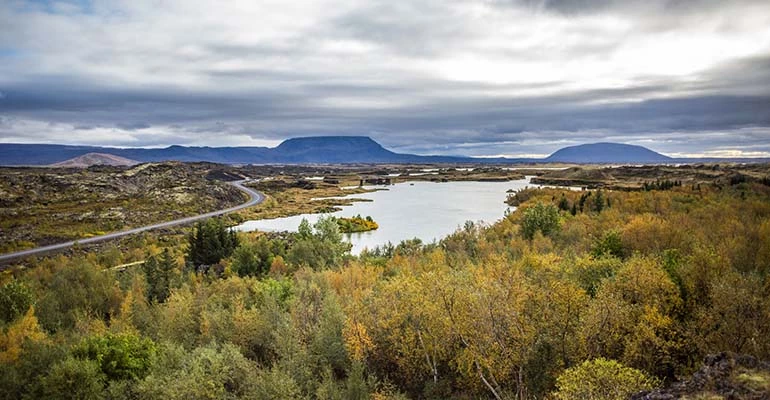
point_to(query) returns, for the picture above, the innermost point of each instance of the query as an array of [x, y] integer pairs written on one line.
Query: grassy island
[[356, 224]]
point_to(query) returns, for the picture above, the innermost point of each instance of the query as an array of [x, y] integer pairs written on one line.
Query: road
[[255, 198]]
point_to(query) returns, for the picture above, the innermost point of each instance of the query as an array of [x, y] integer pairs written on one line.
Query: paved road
[[255, 198]]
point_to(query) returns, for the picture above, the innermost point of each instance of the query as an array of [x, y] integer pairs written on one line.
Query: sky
[[455, 77]]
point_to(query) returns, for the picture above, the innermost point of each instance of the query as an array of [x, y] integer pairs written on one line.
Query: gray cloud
[[457, 77]]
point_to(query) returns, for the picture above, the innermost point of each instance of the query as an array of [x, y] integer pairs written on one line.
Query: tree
[[489, 311], [23, 330], [601, 379], [209, 372], [159, 274], [583, 198], [320, 247], [590, 272], [540, 217], [256, 258], [74, 379], [22, 379], [411, 328], [209, 242], [630, 318], [75, 289], [119, 356], [598, 201], [737, 317], [610, 244], [15, 300]]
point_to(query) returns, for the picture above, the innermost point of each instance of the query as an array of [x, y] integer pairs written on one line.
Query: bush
[[74, 379], [73, 289], [256, 258], [356, 224], [209, 372], [601, 379], [15, 300], [610, 244], [318, 247], [590, 272], [541, 217], [121, 356]]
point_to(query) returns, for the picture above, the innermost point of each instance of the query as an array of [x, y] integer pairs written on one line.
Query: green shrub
[[120, 356], [540, 217], [15, 300], [610, 244], [73, 378]]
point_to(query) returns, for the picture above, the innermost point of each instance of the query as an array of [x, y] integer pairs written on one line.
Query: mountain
[[89, 159], [607, 153], [332, 150], [305, 150]]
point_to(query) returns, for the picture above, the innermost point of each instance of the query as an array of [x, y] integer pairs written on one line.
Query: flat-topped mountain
[[609, 153], [335, 149], [89, 159]]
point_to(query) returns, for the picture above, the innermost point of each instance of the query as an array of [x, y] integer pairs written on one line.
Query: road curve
[[254, 199]]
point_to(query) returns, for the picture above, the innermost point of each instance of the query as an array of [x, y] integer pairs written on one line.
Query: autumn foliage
[[553, 301]]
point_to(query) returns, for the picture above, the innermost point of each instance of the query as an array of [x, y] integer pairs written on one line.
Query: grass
[[704, 396], [284, 202], [755, 380]]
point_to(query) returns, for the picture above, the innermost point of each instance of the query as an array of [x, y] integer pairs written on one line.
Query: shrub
[[15, 300], [610, 244], [601, 379], [541, 217], [121, 356], [74, 379]]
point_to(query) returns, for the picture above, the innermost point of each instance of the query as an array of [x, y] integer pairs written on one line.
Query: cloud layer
[[482, 77]]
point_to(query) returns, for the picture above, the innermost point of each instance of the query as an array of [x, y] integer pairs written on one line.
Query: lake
[[425, 210]]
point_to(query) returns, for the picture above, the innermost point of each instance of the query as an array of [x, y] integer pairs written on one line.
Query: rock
[[727, 375]]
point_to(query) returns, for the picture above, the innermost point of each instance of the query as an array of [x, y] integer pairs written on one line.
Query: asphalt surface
[[255, 198]]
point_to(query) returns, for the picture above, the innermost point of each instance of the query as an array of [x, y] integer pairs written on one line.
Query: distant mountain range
[[321, 150]]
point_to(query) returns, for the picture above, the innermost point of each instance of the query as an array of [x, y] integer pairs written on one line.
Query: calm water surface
[[424, 210]]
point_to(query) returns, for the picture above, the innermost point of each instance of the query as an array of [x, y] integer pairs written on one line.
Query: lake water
[[425, 210]]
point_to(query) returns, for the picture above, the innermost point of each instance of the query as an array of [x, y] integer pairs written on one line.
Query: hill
[[89, 159], [607, 153]]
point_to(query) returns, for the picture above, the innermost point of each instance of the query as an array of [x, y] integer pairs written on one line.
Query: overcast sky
[[476, 77]]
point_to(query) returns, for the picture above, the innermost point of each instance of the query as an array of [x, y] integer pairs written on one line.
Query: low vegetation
[[288, 196], [356, 224], [557, 300], [601, 379], [48, 205], [653, 177]]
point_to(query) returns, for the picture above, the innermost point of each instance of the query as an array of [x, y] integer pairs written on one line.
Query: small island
[[356, 224]]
